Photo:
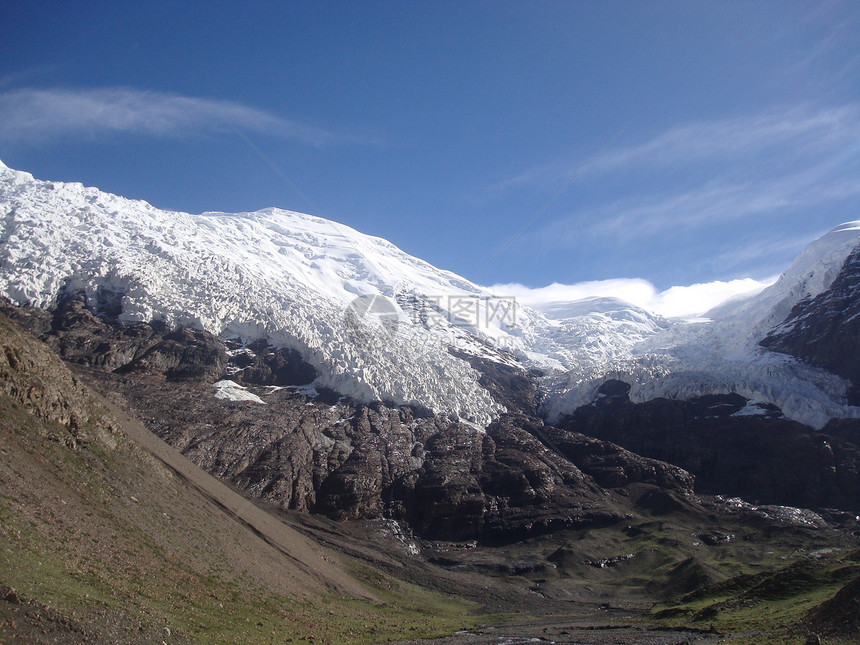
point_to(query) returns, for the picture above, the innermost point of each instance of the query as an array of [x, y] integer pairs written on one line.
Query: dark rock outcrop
[[81, 336], [840, 615], [31, 377], [183, 353], [762, 457], [513, 387], [258, 363], [449, 481]]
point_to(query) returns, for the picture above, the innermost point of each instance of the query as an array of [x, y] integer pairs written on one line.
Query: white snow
[[232, 391], [752, 409], [305, 390], [285, 277], [685, 359], [378, 324]]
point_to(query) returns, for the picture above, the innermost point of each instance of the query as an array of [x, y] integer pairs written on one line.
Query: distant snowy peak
[[723, 355], [824, 330], [811, 273]]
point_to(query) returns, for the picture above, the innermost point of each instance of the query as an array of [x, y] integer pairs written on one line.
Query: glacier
[[379, 324]]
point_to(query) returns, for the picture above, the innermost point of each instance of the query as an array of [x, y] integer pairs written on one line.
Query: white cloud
[[38, 114], [635, 291], [679, 301], [696, 299]]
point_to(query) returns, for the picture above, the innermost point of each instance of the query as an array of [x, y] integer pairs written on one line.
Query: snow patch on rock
[[232, 391]]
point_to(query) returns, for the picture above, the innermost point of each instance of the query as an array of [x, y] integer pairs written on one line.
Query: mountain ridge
[[378, 324]]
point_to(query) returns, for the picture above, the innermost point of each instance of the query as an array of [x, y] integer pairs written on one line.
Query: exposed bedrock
[[733, 447]]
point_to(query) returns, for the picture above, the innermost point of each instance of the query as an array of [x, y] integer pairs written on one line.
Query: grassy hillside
[[104, 542], [818, 595]]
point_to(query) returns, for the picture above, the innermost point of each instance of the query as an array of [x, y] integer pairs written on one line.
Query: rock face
[[48, 391], [512, 387], [448, 480], [517, 478], [733, 447], [825, 331], [261, 364], [81, 336], [839, 616], [523, 478]]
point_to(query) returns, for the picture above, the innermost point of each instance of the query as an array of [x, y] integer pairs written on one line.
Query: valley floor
[[570, 633]]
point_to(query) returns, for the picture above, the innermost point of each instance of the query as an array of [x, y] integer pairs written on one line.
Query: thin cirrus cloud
[[693, 178], [559, 300], [47, 114], [716, 200], [797, 131], [801, 131]]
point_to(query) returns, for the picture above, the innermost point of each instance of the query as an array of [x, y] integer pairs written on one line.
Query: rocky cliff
[[733, 446], [302, 449]]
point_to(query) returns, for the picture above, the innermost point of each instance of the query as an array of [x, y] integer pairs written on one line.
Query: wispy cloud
[[762, 250], [27, 74], [45, 114], [719, 200], [699, 180], [712, 200], [833, 56], [799, 131], [802, 130], [678, 301]]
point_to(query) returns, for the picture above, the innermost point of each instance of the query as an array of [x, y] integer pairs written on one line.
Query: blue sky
[[446, 127]]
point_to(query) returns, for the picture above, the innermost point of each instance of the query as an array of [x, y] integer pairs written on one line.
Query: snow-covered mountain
[[722, 354], [379, 324]]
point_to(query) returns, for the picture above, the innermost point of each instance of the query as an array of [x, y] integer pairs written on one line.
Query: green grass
[[773, 605], [133, 563], [212, 610]]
